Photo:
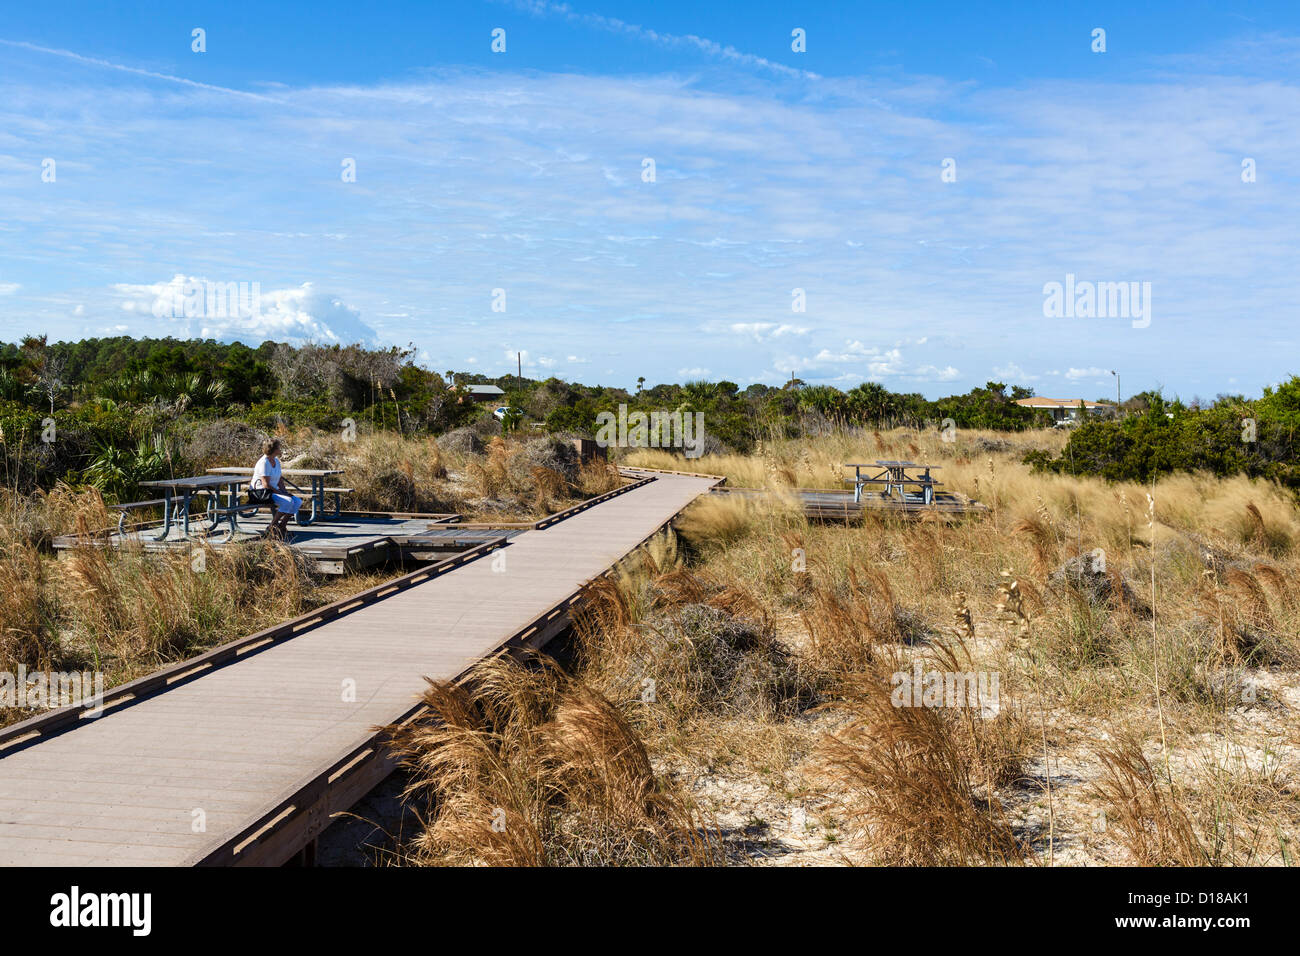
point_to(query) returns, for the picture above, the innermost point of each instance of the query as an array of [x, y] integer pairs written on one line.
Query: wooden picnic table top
[[194, 482], [300, 472], [888, 464]]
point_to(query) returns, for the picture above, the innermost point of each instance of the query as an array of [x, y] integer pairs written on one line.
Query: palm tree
[[823, 400], [871, 402], [701, 393]]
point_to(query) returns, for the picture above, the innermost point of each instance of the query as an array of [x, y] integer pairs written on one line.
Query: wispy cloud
[[613, 25], [136, 71]]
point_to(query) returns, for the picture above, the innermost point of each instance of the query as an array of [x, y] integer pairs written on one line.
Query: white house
[[1062, 409]]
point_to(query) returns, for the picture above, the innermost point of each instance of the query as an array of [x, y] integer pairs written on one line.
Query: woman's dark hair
[[272, 445]]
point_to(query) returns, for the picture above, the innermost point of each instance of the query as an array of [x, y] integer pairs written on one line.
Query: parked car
[[502, 411]]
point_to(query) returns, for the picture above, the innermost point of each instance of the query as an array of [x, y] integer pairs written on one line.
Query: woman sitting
[[268, 486]]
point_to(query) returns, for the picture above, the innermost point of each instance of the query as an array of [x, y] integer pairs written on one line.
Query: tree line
[[119, 399]]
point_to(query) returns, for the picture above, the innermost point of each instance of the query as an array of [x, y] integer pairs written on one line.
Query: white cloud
[[9, 288], [516, 358], [1075, 374], [192, 306], [1013, 374], [932, 374], [766, 331]]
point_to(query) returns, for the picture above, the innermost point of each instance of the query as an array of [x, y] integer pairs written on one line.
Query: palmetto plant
[[183, 389], [116, 470], [132, 387]]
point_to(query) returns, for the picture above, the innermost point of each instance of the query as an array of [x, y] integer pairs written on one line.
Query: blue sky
[[774, 171]]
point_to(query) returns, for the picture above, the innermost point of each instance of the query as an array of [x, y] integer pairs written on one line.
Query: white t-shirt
[[265, 474]]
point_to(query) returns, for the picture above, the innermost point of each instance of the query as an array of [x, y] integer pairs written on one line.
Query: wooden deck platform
[[349, 542], [837, 505], [241, 757]]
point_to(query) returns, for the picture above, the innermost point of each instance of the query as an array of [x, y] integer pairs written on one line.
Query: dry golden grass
[[1143, 812], [491, 475], [1090, 654], [125, 612], [914, 782], [141, 610], [597, 478], [716, 520], [29, 631], [526, 766]]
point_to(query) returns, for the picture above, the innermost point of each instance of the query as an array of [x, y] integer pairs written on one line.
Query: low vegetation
[[730, 694], [756, 659]]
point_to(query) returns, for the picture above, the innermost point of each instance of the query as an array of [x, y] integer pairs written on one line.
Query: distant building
[[1062, 409], [478, 393]]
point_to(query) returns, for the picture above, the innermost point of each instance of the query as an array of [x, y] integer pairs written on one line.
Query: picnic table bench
[[894, 474], [126, 508], [318, 491]]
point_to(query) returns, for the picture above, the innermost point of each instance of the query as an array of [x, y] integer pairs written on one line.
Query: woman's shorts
[[286, 504]]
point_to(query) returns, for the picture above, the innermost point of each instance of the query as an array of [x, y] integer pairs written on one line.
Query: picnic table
[[316, 476], [893, 474], [185, 489]]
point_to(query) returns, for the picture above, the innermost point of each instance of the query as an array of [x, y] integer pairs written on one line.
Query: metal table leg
[[167, 517], [232, 501], [307, 521]]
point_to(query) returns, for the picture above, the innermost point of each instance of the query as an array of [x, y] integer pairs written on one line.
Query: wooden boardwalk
[[246, 762]]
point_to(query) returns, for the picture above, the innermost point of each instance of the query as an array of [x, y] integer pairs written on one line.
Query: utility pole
[[1116, 374], [519, 366]]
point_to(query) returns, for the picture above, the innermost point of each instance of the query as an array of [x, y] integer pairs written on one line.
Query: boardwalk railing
[[60, 719]]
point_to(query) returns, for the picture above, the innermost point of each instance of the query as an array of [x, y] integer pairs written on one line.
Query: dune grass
[[1169, 702]]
